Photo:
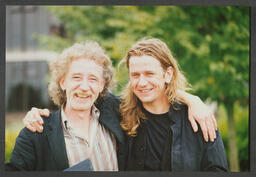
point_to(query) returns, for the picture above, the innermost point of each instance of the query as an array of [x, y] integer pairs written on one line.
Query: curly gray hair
[[59, 67]]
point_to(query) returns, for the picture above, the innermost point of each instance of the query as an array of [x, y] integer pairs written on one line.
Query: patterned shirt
[[100, 147]]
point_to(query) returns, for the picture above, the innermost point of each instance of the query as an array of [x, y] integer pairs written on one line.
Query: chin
[[82, 107], [145, 100]]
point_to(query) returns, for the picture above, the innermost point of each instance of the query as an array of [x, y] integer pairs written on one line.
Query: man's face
[[147, 79], [83, 83]]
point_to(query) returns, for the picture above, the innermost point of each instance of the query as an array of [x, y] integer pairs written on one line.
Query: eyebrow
[[132, 73], [89, 74], [147, 71], [76, 74]]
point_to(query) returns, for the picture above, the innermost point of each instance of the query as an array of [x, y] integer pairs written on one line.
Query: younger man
[[156, 121]]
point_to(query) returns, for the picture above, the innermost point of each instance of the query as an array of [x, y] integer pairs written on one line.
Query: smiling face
[[82, 83], [147, 79]]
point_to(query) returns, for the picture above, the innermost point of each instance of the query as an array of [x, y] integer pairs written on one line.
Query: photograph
[[127, 88]]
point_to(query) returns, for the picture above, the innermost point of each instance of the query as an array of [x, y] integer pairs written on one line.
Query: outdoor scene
[[211, 45]]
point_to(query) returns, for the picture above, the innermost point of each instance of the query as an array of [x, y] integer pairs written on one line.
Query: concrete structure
[[26, 63]]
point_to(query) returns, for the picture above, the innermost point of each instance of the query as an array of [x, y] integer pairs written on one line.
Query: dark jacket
[[47, 151], [188, 151]]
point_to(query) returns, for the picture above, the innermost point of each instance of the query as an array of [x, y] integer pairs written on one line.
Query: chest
[[179, 149], [150, 149]]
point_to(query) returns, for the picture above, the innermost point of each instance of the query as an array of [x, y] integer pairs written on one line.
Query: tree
[[226, 73]]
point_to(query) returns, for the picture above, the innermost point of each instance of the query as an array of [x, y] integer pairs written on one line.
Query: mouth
[[145, 91], [82, 95]]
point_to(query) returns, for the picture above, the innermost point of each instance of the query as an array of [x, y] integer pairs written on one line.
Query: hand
[[33, 120], [201, 113]]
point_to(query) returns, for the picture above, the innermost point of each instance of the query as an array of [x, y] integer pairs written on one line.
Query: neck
[[76, 115], [79, 120], [157, 107]]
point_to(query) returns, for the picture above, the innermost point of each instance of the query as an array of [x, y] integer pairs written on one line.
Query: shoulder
[[25, 136], [179, 113], [53, 117], [178, 106], [53, 120], [109, 100], [179, 110], [112, 98]]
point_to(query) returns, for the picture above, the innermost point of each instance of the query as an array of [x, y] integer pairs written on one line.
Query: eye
[[150, 74], [76, 77], [92, 78], [135, 75]]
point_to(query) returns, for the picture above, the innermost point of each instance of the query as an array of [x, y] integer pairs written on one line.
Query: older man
[[108, 108], [80, 76], [156, 121]]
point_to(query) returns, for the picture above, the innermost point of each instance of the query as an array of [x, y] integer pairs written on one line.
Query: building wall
[[24, 25], [26, 63], [32, 74]]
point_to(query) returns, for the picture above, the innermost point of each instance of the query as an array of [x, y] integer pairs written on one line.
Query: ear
[[62, 84], [168, 74]]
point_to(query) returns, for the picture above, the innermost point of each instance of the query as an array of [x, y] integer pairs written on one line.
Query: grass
[[13, 125]]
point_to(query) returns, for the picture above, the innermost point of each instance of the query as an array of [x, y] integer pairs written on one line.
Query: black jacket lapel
[[56, 139], [176, 156], [110, 116], [110, 122]]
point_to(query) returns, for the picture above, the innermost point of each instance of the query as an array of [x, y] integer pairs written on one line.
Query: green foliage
[[10, 137], [214, 41], [242, 126]]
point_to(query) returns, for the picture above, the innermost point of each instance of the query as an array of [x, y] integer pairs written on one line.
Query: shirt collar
[[95, 112], [66, 125]]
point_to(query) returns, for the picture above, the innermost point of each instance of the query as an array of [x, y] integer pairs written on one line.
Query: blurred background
[[211, 45]]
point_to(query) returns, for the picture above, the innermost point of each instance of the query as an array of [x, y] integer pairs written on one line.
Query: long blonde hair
[[130, 107]]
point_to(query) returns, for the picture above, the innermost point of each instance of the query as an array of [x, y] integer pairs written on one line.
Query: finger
[[192, 121], [214, 122], [47, 112], [210, 129], [204, 130], [32, 129], [37, 116], [32, 121], [214, 126], [28, 118], [37, 126], [44, 112], [194, 124]]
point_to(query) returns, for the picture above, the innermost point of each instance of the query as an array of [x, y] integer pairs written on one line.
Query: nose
[[142, 81], [84, 85]]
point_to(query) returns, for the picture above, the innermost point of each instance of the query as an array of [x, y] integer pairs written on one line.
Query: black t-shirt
[[156, 131]]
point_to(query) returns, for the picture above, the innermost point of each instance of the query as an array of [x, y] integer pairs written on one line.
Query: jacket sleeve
[[214, 156], [111, 103], [23, 155]]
